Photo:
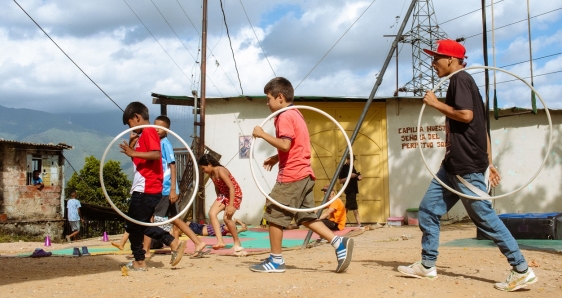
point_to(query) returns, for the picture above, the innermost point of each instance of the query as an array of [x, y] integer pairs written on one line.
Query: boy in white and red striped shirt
[[146, 191]]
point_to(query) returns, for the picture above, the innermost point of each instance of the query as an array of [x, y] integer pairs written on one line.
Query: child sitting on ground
[[208, 230]]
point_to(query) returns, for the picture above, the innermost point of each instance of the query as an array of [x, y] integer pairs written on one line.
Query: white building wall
[[518, 145], [518, 148], [225, 122]]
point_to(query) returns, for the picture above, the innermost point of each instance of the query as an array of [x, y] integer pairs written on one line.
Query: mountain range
[[89, 134]]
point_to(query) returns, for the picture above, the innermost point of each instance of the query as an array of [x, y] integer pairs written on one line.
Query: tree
[[87, 183]]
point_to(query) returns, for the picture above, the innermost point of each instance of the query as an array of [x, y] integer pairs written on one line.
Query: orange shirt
[[294, 165], [339, 216]]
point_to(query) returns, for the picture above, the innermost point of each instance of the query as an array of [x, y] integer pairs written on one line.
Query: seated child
[[207, 230], [334, 216]]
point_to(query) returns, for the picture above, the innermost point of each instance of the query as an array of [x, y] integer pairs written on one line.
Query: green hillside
[[40, 127], [85, 143]]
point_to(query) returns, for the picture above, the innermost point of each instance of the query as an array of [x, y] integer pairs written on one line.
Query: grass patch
[[18, 238]]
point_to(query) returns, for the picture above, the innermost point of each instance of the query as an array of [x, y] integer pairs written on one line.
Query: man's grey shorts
[[298, 194]]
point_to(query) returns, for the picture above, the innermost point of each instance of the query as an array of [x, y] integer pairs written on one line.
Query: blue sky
[[115, 49]]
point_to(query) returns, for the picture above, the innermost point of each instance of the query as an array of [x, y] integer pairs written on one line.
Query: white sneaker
[[517, 281], [417, 270]]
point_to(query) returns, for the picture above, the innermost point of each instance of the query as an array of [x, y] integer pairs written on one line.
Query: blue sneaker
[[268, 266], [343, 253]]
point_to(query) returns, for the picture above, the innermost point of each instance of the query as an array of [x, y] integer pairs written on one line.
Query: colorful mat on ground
[[530, 244], [255, 240]]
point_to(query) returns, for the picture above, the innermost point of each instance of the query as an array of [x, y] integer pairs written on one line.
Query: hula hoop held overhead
[[148, 224], [505, 194], [252, 147]]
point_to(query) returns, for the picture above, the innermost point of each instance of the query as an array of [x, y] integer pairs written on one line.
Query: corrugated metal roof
[[61, 146], [188, 100]]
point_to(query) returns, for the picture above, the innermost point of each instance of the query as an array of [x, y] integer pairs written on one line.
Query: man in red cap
[[467, 158]]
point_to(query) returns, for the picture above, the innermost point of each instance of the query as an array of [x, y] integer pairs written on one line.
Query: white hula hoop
[[350, 161], [522, 186], [148, 224]]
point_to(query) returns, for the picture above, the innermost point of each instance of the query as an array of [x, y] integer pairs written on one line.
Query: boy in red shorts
[[295, 181]]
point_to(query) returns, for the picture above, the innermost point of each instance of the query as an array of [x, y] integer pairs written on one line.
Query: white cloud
[[113, 47]]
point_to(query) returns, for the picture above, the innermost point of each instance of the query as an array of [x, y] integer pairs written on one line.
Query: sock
[[521, 272], [277, 259], [425, 266], [336, 241]]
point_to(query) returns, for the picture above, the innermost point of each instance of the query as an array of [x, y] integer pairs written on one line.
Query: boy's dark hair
[[135, 108], [208, 159], [36, 171], [164, 119], [280, 85]]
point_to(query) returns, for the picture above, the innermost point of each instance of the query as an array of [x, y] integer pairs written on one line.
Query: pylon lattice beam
[[424, 33]]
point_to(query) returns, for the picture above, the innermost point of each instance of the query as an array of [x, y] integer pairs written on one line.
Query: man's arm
[[494, 174], [281, 144], [80, 214], [431, 100]]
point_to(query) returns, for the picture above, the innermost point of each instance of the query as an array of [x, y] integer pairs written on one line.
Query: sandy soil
[[463, 272]]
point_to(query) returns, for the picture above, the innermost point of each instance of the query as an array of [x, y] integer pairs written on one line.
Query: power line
[[212, 54], [479, 9], [517, 22], [68, 56], [231, 49], [184, 46], [247, 17], [539, 75], [158, 42], [335, 43], [523, 62]]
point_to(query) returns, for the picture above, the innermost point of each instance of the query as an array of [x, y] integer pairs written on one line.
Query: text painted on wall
[[429, 137]]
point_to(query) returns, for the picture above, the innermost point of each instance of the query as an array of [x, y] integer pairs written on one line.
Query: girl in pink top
[[229, 197]]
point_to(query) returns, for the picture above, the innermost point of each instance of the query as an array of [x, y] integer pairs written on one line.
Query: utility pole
[[201, 149]]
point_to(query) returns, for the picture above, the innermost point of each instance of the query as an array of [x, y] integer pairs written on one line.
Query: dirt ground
[[462, 272]]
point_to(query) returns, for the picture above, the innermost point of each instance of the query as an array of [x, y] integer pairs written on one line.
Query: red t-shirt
[[148, 173], [294, 165]]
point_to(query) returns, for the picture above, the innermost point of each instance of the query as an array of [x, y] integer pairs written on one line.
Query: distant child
[[334, 217], [146, 190], [295, 180], [74, 216], [229, 198], [167, 206], [36, 180]]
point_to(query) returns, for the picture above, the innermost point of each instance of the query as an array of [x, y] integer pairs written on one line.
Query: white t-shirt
[[73, 205]]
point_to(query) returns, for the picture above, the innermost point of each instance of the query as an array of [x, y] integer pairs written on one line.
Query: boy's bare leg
[[199, 245], [356, 214], [320, 228], [275, 238], [241, 223], [146, 246], [121, 243]]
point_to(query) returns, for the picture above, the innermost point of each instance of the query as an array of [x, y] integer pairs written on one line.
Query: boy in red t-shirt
[[295, 181], [146, 191]]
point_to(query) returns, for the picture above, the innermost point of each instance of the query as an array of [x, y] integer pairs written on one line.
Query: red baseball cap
[[448, 47]]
